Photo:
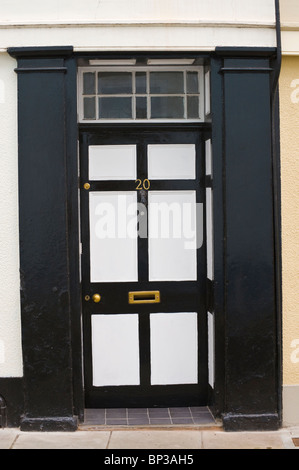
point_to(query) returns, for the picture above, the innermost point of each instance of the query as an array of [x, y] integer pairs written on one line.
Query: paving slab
[[168, 438], [155, 439], [293, 431], [62, 440], [242, 440], [7, 438]]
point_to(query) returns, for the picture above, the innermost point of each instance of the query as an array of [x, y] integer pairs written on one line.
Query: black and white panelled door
[[143, 266]]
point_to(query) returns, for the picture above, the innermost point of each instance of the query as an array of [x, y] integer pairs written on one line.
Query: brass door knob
[[96, 298]]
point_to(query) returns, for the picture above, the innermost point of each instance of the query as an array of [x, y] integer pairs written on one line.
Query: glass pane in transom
[[114, 83], [169, 83]]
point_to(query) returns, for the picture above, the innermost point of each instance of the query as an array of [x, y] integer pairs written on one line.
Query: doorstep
[[195, 416]]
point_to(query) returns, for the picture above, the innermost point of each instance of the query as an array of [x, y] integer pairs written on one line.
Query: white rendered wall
[[138, 24], [31, 11], [98, 25], [113, 10], [10, 335]]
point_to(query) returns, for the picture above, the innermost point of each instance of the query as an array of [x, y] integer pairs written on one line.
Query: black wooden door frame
[[181, 296], [247, 391]]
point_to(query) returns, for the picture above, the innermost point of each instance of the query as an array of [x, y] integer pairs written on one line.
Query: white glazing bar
[[173, 117], [149, 109], [97, 100], [134, 95], [185, 96]]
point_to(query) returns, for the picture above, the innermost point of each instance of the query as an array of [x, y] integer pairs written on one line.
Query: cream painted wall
[[10, 335], [289, 124], [289, 18], [289, 11]]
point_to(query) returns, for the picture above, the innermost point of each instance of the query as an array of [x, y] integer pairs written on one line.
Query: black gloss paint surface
[[247, 389]]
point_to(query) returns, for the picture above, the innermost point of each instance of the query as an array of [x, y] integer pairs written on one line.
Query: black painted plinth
[[48, 424], [11, 391], [254, 422]]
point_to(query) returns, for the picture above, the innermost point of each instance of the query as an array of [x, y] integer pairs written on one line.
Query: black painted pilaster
[[11, 401], [46, 261], [251, 368]]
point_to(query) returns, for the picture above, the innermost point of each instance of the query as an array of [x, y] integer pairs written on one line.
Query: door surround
[[245, 293]]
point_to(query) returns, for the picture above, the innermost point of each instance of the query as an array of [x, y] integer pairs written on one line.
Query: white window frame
[[148, 95]]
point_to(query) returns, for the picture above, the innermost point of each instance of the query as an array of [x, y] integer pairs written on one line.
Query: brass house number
[[143, 184]]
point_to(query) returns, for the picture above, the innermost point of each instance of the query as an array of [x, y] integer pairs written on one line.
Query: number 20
[[145, 184]]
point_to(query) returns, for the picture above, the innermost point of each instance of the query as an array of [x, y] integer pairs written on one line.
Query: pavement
[[174, 438]]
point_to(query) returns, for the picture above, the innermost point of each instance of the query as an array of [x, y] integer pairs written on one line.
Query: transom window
[[141, 94]]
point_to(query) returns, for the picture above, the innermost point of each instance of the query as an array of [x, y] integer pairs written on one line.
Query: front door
[[143, 266]]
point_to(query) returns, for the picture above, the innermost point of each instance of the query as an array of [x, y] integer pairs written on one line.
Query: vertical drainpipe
[[276, 200], [278, 45]]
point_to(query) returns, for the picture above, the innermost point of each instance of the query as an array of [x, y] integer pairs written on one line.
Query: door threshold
[[174, 417]]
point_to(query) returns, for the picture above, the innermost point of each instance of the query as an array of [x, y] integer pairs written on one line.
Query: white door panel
[[172, 236], [113, 236]]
